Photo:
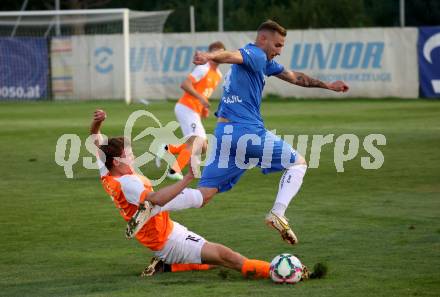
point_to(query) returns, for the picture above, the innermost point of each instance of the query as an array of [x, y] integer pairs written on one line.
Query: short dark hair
[[272, 26], [216, 46], [112, 150]]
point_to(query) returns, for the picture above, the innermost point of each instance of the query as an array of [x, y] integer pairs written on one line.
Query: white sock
[[188, 198], [290, 184]]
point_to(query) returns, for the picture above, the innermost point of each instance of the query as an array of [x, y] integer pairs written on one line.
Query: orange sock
[[189, 267], [175, 149], [182, 160], [255, 269]]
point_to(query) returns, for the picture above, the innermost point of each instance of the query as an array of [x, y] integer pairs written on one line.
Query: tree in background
[[246, 15], [423, 13], [298, 14]]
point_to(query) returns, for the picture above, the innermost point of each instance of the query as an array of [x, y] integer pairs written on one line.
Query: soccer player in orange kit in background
[[190, 109]]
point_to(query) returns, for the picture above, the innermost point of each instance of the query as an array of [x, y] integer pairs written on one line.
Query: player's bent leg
[[164, 149], [183, 156], [197, 146], [289, 186], [184, 246], [188, 198], [294, 165], [192, 128], [174, 149], [191, 150], [218, 254], [175, 172]]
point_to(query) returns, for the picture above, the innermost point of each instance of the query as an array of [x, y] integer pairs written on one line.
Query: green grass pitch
[[378, 230]]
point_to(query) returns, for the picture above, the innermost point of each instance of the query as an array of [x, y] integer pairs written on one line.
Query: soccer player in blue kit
[[239, 121], [242, 141]]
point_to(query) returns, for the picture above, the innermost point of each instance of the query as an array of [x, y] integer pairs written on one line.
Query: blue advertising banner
[[429, 61], [24, 66], [375, 62]]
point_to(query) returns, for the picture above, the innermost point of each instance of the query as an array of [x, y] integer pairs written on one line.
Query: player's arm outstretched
[[95, 128], [219, 57], [301, 79]]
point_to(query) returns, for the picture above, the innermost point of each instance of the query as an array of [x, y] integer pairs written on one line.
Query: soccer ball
[[286, 269]]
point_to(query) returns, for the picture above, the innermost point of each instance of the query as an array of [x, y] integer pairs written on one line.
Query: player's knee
[[300, 160], [207, 194], [197, 144], [194, 140], [204, 146], [190, 140]]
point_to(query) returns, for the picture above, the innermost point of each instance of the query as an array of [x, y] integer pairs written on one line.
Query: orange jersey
[[204, 79], [127, 192]]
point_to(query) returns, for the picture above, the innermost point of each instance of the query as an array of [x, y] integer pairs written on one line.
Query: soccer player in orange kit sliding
[[174, 246]]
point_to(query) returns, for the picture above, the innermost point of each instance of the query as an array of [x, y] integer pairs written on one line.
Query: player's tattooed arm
[[303, 80]]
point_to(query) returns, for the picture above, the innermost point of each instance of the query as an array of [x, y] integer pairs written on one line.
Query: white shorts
[[183, 246], [189, 121]]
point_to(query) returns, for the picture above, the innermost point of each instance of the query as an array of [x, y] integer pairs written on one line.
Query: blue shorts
[[240, 147]]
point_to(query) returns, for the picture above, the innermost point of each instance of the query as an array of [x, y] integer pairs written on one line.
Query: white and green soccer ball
[[286, 269]]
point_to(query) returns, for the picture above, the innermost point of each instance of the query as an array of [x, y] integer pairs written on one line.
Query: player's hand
[[338, 86], [99, 116], [205, 113], [205, 103], [200, 58]]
